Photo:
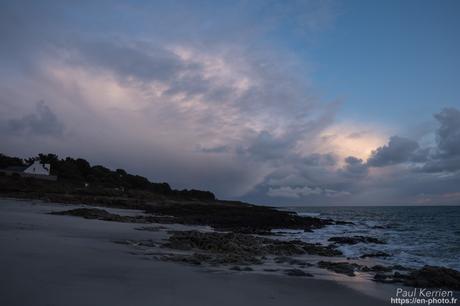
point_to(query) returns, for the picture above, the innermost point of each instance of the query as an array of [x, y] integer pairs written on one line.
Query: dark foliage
[[7, 161], [80, 172]]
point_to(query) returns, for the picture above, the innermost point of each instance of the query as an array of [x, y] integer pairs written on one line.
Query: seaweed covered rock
[[242, 244]]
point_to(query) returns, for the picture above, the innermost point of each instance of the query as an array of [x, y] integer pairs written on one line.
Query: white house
[[38, 168]]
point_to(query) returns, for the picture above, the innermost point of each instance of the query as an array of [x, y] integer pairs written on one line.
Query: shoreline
[[145, 246], [43, 253]]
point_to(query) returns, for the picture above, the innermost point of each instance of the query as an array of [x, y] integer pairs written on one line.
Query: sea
[[415, 236]]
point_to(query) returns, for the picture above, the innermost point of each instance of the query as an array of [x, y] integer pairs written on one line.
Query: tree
[[7, 161]]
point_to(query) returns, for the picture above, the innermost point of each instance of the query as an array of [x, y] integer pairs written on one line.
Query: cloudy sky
[[275, 102]]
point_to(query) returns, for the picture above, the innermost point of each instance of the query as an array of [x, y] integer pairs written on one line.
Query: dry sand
[[65, 261]]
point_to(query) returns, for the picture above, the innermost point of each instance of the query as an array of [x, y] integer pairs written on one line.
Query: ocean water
[[415, 236]]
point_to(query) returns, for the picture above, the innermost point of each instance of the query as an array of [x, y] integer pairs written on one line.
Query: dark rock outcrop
[[355, 239], [426, 277], [292, 261], [340, 267], [239, 268], [237, 217], [434, 277], [242, 244], [375, 254], [217, 248], [382, 278], [376, 268], [101, 214], [223, 216], [401, 268], [297, 272]]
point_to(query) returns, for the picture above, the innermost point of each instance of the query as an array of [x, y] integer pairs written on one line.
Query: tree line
[[80, 171]]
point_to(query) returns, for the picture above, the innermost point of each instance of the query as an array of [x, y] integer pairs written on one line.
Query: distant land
[[80, 183], [77, 175]]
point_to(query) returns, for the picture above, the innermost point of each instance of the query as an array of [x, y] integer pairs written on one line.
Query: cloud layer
[[213, 108]]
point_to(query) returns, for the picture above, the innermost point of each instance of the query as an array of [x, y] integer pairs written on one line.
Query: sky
[[272, 102]]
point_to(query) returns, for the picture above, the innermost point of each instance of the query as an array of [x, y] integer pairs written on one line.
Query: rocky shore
[[73, 261], [244, 234], [192, 229], [239, 242], [222, 216]]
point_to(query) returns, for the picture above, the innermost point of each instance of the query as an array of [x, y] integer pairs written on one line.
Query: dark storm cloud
[[446, 156], [355, 167], [450, 164], [398, 150], [448, 134], [43, 122]]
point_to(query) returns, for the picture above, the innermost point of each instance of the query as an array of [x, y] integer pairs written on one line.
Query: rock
[[101, 214], [237, 217], [243, 245], [388, 278], [401, 268], [271, 270], [238, 268], [339, 267], [375, 254], [297, 272], [434, 277], [399, 277], [282, 259], [380, 277], [376, 268], [426, 277], [355, 239], [90, 213], [291, 261], [241, 249]]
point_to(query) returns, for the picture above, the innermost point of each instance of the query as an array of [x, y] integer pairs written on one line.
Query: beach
[[64, 260], [240, 153]]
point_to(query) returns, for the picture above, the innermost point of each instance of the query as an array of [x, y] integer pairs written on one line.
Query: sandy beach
[[62, 260]]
